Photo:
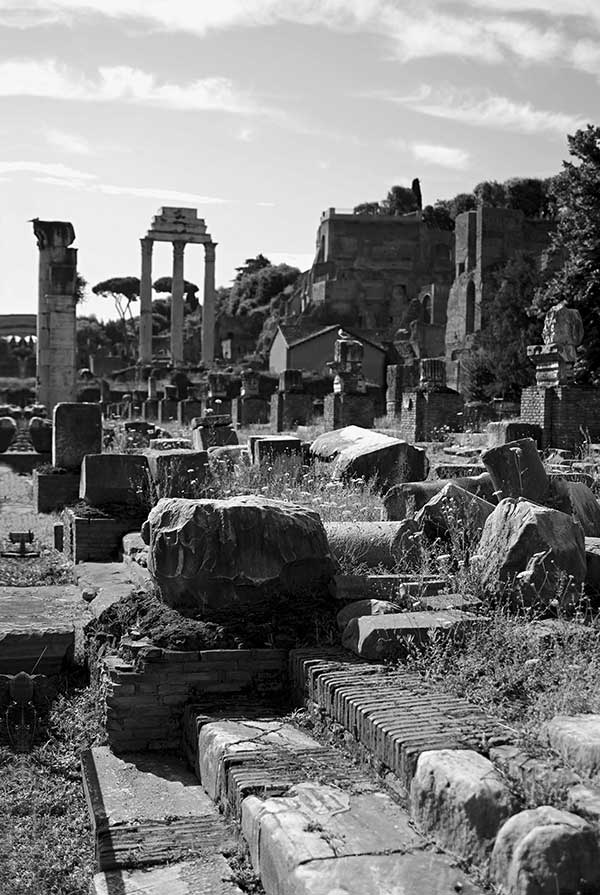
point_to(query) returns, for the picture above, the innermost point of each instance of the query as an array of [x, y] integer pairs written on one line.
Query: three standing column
[[145, 335], [177, 288]]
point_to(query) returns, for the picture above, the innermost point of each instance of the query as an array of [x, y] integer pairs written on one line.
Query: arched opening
[[470, 309], [427, 309]]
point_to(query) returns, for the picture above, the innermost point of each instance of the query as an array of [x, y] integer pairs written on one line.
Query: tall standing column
[[208, 308], [56, 326], [177, 287], [145, 334]]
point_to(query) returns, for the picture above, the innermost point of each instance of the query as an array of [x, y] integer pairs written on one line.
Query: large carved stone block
[[77, 431], [218, 557]]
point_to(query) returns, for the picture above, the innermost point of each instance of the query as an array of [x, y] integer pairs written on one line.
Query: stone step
[[380, 638], [40, 627], [106, 583], [148, 809], [394, 713], [320, 839], [349, 588], [204, 876]]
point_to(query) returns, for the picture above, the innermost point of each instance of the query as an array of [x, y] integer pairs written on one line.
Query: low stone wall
[[94, 538], [54, 491], [146, 691]]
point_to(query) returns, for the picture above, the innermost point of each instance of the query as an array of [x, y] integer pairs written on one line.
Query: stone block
[[148, 809], [54, 491], [76, 431], [576, 738], [269, 448], [544, 850], [361, 608], [251, 411], [503, 431], [40, 432], [225, 556], [170, 444], [461, 801], [178, 473], [349, 410], [115, 480], [454, 511], [350, 588], [592, 557], [409, 497], [382, 464], [388, 637], [187, 410], [207, 436], [8, 430], [290, 410], [579, 501]]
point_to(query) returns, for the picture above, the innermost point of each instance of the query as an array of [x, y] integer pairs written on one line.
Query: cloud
[[157, 193], [445, 156], [45, 169], [68, 142], [48, 78], [471, 107], [245, 135]]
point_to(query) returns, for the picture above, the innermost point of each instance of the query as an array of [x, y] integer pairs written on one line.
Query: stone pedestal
[[290, 409], [150, 409], [76, 431], [219, 406], [167, 410], [425, 414], [250, 411], [348, 410], [187, 410]]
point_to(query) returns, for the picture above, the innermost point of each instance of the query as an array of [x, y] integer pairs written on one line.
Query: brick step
[[148, 810], [393, 713]]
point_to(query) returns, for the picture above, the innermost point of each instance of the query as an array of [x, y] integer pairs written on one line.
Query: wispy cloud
[[46, 169], [486, 110], [444, 156], [73, 143], [47, 78], [487, 30]]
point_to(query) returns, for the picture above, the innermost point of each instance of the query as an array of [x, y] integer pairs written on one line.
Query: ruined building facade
[[378, 273], [485, 240]]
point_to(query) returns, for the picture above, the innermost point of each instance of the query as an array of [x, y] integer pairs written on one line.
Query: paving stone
[[109, 582], [40, 623], [459, 798], [205, 876], [386, 637], [148, 809], [576, 738]]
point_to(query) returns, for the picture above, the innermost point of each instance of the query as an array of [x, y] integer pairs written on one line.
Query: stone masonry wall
[[145, 694], [568, 415]]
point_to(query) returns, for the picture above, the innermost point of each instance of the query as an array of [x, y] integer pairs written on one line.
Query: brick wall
[[567, 415], [146, 690], [425, 413]]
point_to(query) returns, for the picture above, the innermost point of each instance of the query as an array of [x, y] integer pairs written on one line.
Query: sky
[[263, 113]]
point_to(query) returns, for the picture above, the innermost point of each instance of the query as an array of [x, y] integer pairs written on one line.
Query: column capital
[[147, 244], [209, 251], [178, 247]]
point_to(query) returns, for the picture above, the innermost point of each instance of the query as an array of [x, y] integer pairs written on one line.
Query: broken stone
[[178, 473], [77, 431], [454, 510], [221, 556], [576, 738], [170, 444], [389, 637], [364, 607], [543, 851], [517, 470], [409, 497], [504, 431], [371, 544], [382, 464], [584, 801], [8, 429], [524, 537], [460, 799], [267, 449], [330, 444], [577, 500], [207, 875]]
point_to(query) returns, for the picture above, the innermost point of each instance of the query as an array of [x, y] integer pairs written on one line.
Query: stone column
[[177, 305], [208, 308], [145, 335], [56, 327]]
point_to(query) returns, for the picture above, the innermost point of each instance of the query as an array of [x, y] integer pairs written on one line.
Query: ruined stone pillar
[[177, 305], [145, 335], [208, 308], [56, 327]]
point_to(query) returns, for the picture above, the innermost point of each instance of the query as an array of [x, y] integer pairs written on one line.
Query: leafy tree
[[190, 290], [251, 265], [123, 291], [91, 336], [400, 200], [253, 290], [500, 367], [368, 208], [490, 192], [80, 287], [576, 191]]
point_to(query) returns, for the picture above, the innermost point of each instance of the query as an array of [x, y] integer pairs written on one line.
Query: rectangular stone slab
[[147, 809], [205, 876], [382, 637], [316, 822], [39, 623]]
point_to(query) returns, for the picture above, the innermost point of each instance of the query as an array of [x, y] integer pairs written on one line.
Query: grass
[[46, 842]]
